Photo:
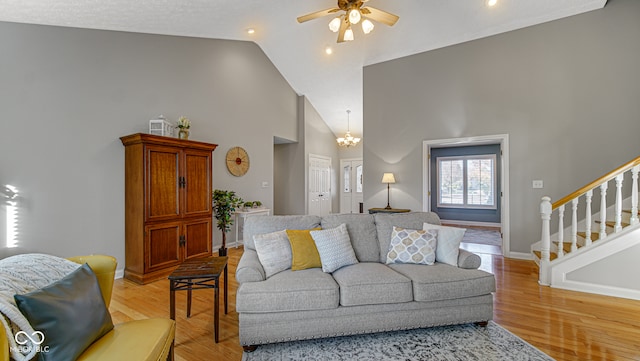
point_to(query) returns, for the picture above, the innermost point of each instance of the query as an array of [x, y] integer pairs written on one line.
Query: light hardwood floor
[[564, 324]]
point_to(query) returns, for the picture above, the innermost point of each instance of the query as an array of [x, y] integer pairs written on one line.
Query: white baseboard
[[520, 255], [119, 273]]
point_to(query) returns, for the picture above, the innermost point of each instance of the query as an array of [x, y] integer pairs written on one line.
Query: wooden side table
[[195, 274], [388, 210]]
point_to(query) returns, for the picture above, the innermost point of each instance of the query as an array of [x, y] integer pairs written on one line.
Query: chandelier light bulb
[[492, 2], [348, 34], [334, 25], [367, 26], [354, 16]]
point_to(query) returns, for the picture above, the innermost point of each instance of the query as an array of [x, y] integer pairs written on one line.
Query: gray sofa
[[366, 297]]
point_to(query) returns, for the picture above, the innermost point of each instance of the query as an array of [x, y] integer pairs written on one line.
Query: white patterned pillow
[[448, 243], [412, 246], [334, 247], [274, 252]]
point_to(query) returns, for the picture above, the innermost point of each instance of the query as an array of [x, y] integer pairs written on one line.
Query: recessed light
[[251, 31], [492, 2], [328, 50]]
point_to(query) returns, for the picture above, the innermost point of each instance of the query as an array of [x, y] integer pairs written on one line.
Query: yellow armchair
[[146, 340]]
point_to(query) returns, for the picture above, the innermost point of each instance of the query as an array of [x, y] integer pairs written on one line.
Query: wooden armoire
[[168, 212]]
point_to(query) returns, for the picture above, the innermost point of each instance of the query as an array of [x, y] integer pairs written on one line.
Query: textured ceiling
[[333, 83]]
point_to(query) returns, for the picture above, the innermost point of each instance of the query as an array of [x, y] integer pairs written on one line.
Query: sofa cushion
[[70, 314], [362, 232], [147, 339], [334, 247], [266, 224], [309, 289], [415, 246], [371, 283], [443, 282], [304, 253], [449, 239], [386, 221], [274, 251]]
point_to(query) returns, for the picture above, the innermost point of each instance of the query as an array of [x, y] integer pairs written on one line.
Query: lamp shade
[[388, 178]]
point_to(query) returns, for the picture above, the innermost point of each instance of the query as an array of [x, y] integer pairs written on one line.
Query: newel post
[[545, 254]]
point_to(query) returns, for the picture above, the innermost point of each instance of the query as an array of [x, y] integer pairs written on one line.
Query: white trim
[[119, 273], [465, 178], [519, 255], [503, 140]]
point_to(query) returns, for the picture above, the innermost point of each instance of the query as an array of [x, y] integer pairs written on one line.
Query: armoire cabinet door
[[162, 194], [197, 185], [162, 246], [198, 238]]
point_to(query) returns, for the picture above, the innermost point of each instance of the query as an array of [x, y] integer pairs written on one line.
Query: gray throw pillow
[[334, 247], [274, 252], [70, 313]]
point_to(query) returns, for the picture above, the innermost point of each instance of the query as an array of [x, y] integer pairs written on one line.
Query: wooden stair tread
[[613, 224]]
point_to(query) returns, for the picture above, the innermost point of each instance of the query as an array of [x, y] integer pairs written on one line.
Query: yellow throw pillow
[[303, 250]]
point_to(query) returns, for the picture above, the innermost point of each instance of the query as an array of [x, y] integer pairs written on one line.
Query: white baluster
[[634, 194], [561, 231], [603, 210], [587, 219], [545, 213], [618, 226], [574, 224]]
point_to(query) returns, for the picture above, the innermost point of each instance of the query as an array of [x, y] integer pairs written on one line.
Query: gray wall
[[292, 162], [67, 95], [566, 92]]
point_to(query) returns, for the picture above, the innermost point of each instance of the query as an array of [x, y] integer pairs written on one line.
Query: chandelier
[[348, 140]]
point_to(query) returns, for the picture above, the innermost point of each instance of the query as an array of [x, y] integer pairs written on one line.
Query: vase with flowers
[[183, 127]]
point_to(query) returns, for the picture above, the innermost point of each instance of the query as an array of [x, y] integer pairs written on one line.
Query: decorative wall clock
[[237, 161]]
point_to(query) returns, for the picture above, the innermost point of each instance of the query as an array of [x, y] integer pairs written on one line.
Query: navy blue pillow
[[71, 314]]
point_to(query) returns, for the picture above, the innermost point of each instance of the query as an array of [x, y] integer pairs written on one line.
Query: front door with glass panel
[[351, 196]]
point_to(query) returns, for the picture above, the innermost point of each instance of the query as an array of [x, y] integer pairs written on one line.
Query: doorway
[[319, 185], [470, 195], [351, 186]]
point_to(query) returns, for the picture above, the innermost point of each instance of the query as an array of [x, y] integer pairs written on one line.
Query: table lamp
[[388, 179]]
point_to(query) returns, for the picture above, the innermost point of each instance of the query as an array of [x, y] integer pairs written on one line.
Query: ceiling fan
[[354, 13]]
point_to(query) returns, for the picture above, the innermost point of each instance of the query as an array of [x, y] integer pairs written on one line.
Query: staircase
[[589, 250]]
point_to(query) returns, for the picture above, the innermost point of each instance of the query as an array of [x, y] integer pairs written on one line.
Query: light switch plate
[[537, 184]]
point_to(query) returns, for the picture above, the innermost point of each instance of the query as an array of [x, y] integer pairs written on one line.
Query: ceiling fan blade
[[380, 16], [317, 14], [344, 24]]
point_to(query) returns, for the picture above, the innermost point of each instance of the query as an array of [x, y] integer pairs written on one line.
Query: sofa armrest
[[468, 260], [249, 268]]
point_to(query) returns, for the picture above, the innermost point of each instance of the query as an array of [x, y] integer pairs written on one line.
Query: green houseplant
[[224, 205]]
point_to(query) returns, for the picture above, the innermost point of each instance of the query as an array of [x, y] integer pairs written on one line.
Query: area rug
[[481, 236], [461, 343]]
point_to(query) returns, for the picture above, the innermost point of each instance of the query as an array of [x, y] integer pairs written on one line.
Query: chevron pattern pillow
[[334, 246]]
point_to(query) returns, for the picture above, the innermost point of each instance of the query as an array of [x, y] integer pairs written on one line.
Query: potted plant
[[248, 205], [257, 204], [224, 204]]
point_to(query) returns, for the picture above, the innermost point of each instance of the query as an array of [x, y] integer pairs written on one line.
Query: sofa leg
[[249, 348], [170, 356], [482, 323]]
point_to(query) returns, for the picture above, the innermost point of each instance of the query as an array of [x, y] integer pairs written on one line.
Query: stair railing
[[547, 211]]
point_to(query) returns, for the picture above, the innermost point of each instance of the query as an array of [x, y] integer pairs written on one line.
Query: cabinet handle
[[182, 182], [182, 241]]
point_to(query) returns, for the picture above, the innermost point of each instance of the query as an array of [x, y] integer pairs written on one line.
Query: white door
[[351, 185], [319, 185]]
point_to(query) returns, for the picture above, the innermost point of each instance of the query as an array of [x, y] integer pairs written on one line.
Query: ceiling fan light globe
[[367, 26], [348, 34], [334, 25], [354, 16]]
